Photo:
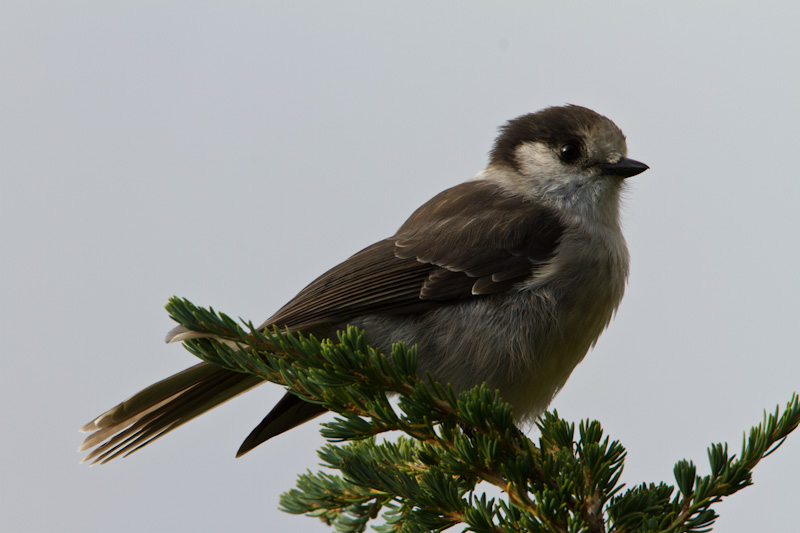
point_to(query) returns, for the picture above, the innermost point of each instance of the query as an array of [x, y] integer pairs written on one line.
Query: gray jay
[[508, 278]]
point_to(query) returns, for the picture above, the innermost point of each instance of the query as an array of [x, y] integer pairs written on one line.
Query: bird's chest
[[589, 289], [576, 304]]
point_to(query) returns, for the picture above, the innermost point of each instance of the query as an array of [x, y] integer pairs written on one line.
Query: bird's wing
[[468, 241]]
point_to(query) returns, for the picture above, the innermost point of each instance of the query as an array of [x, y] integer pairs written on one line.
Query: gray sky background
[[231, 152]]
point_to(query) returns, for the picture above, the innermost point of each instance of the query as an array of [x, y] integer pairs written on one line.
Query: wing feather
[[468, 241]]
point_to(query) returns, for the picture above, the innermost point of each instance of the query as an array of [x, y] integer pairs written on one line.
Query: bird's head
[[566, 155]]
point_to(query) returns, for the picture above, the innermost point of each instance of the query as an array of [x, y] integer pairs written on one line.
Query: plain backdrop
[[230, 152]]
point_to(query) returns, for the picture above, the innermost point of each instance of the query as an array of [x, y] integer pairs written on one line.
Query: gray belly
[[524, 344]]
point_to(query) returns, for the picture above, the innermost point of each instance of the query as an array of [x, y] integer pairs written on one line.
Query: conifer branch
[[427, 480]]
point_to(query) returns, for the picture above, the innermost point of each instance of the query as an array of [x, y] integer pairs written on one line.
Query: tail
[[155, 411], [160, 408]]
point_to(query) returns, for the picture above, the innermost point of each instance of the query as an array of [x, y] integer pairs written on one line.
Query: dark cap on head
[[553, 126]]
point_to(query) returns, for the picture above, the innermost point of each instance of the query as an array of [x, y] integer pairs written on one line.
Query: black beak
[[624, 168]]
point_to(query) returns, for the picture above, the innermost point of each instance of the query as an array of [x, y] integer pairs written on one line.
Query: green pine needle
[[428, 478]]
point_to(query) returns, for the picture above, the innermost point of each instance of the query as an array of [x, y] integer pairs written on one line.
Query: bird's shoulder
[[471, 240]]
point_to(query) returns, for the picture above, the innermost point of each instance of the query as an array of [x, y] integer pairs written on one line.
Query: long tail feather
[[160, 408]]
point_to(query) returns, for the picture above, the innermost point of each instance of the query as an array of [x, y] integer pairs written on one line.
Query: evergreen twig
[[427, 480]]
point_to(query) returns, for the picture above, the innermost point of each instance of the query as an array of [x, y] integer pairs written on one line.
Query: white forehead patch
[[537, 158], [539, 169]]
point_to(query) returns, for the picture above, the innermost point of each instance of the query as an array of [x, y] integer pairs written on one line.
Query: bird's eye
[[570, 152]]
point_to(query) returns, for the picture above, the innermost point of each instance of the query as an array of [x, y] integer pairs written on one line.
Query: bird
[[507, 279]]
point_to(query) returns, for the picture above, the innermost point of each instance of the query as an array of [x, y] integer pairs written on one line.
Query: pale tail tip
[[180, 333], [86, 460], [91, 426], [174, 333]]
